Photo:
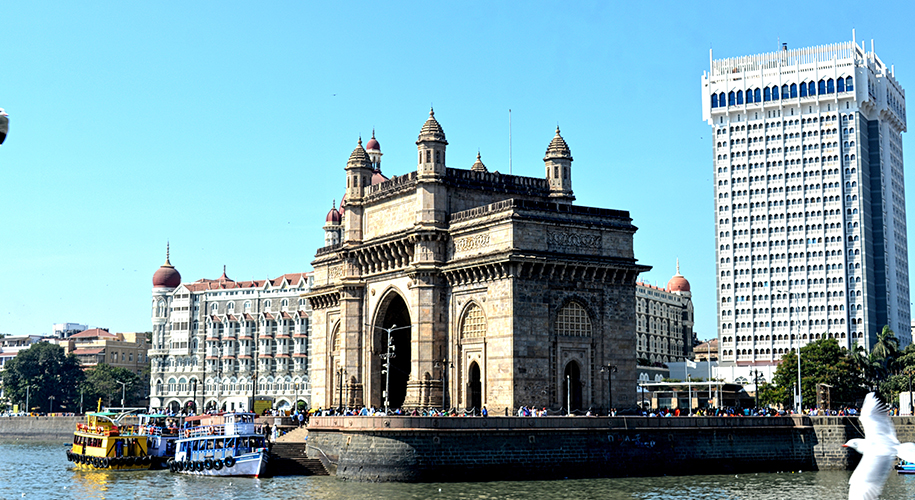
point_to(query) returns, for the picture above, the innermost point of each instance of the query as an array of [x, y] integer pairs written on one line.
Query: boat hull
[[250, 464]]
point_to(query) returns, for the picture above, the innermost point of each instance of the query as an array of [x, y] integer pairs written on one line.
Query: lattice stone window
[[474, 325], [573, 321], [336, 339]]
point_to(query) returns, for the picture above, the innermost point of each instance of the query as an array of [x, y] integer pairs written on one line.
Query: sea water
[[41, 471]]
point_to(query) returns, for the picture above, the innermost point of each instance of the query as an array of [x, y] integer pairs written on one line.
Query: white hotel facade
[[809, 201], [224, 343]]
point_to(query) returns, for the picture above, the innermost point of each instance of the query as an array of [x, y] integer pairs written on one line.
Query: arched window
[[793, 90], [830, 86], [230, 307], [731, 98], [767, 94], [775, 93], [756, 96], [721, 101], [821, 87], [749, 96], [336, 342], [474, 324], [785, 91], [812, 88], [573, 321], [849, 85], [247, 306], [840, 85], [739, 97], [714, 101], [803, 90]]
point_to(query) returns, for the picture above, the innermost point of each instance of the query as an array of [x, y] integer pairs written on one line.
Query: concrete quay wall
[[39, 428], [459, 449]]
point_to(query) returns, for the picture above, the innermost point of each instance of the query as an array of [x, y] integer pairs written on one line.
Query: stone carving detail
[[571, 239], [335, 272], [471, 242]]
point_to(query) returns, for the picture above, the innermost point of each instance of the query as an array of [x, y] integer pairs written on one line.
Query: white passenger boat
[[229, 444]]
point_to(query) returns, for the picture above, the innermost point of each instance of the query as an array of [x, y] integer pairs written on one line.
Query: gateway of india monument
[[496, 290]]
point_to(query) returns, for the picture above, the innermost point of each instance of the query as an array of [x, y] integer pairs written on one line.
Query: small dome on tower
[[359, 157], [333, 216], [478, 165], [166, 276], [372, 146], [678, 283], [431, 130], [558, 148]]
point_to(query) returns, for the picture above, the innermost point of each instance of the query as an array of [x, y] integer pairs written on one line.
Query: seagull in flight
[[879, 450], [4, 125]]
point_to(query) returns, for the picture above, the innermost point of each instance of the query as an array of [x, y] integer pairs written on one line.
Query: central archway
[[571, 386], [394, 314]]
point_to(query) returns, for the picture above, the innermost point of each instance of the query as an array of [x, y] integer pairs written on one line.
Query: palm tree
[[865, 364], [886, 349]]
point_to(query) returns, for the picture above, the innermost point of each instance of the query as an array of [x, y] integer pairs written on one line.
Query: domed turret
[[333, 216], [478, 165], [431, 146], [678, 283], [431, 130], [373, 148], [166, 276], [558, 162]]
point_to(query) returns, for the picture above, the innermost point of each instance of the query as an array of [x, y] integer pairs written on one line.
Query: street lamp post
[[444, 365], [609, 369], [51, 400], [756, 385], [194, 383], [124, 391], [569, 395], [911, 404], [341, 374], [387, 357], [27, 408]]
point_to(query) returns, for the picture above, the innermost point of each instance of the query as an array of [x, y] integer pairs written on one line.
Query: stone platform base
[[505, 448]]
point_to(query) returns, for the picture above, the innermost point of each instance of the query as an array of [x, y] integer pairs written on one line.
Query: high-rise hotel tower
[[809, 200]]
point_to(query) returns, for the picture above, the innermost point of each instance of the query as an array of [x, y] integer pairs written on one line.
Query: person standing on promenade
[[484, 412]]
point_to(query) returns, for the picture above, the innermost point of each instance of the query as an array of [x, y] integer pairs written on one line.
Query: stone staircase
[[288, 459]]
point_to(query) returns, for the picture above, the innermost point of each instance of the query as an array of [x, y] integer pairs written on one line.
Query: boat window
[[211, 443], [220, 444]]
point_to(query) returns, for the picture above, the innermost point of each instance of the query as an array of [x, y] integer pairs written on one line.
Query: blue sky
[[224, 127]]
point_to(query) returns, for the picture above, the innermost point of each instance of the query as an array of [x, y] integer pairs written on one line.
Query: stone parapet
[[463, 448]]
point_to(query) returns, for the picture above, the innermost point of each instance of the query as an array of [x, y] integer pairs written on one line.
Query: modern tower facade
[[809, 200]]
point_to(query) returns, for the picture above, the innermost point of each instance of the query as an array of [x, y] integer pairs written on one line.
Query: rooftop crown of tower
[[558, 162], [431, 145]]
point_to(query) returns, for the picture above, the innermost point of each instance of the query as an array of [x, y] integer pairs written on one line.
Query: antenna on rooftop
[[509, 141]]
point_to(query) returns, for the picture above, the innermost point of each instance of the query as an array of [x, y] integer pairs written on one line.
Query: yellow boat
[[100, 443]]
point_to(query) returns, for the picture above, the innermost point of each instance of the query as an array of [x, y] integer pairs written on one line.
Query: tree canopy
[[822, 362], [46, 376], [102, 381]]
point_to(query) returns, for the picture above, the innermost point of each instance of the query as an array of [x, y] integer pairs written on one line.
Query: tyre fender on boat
[[217, 464], [208, 463], [230, 462], [105, 463]]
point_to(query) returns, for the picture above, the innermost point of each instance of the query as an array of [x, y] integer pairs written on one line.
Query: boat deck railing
[[213, 430]]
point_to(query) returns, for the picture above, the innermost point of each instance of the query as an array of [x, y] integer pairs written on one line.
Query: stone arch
[[173, 405], [392, 311]]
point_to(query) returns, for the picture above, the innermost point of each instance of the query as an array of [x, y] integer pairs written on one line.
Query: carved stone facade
[[492, 289]]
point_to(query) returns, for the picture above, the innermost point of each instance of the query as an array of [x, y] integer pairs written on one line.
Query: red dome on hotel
[[333, 215], [678, 283], [166, 276]]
